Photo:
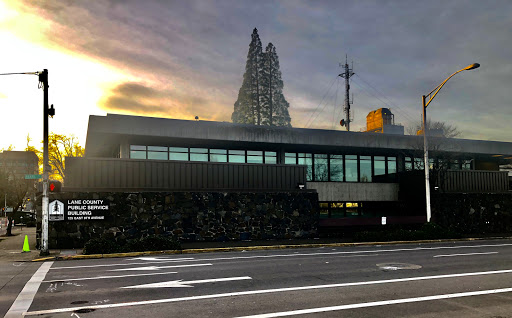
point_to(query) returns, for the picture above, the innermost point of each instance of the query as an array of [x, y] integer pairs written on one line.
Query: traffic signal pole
[[43, 79]]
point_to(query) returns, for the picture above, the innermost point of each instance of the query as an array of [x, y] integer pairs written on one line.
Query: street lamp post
[[425, 103]]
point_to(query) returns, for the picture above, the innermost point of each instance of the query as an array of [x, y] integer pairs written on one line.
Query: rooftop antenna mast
[[346, 75]]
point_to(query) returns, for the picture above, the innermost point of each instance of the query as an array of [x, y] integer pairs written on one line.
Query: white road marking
[[450, 255], [25, 298], [105, 277], [120, 264], [181, 283], [260, 291], [353, 253], [379, 303], [159, 259], [154, 268]]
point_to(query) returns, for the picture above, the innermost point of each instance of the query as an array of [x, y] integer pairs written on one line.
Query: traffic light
[[54, 186]]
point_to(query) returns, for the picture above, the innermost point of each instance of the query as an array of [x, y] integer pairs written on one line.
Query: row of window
[[202, 154], [419, 164], [342, 168]]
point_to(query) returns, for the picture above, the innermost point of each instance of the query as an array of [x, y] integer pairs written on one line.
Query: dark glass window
[[254, 156], [454, 165], [466, 164], [418, 164], [391, 165], [270, 157], [321, 168], [178, 153], [137, 152], [352, 209], [157, 153], [408, 164], [379, 165], [290, 158], [337, 210], [218, 155], [365, 165], [307, 159], [336, 166], [237, 156], [351, 168], [324, 210], [198, 154]]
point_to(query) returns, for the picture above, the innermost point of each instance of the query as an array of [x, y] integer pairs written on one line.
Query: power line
[[311, 116], [378, 92]]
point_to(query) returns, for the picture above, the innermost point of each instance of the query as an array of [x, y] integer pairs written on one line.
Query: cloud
[[141, 99]]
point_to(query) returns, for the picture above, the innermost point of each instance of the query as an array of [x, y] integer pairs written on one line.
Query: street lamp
[[424, 127]]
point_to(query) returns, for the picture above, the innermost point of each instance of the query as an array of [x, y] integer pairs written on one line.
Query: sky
[[181, 59]]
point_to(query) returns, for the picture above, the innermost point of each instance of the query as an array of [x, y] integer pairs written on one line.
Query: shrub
[[101, 246], [429, 231]]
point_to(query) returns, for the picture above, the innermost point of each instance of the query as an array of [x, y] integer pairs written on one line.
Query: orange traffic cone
[[26, 248]]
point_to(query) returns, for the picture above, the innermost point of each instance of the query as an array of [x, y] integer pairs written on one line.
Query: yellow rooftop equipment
[[376, 120]]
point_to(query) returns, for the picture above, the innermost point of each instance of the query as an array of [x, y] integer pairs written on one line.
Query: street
[[456, 279]]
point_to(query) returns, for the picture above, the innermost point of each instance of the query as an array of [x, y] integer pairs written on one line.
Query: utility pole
[[346, 75], [43, 82]]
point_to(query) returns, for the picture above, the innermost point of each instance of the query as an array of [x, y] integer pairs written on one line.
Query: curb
[[255, 248]]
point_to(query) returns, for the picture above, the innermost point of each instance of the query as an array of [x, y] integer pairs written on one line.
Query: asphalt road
[[464, 279]]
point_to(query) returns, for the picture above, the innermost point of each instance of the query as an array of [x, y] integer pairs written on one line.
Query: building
[[359, 177], [19, 163]]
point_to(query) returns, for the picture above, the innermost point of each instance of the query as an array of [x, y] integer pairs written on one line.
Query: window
[[392, 165], [290, 158], [351, 168], [157, 153], [218, 155], [270, 157], [324, 210], [466, 164], [237, 156], [454, 165], [336, 165], [337, 210], [379, 165], [306, 159], [408, 164], [254, 156], [352, 209], [365, 164], [137, 152], [321, 168], [198, 154], [178, 153], [418, 164]]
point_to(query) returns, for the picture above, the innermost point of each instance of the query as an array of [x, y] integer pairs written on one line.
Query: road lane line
[[352, 253], [154, 268], [25, 298], [260, 291], [380, 303], [450, 255], [104, 277]]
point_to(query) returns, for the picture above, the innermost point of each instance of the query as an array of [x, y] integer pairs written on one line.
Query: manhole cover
[[397, 266]]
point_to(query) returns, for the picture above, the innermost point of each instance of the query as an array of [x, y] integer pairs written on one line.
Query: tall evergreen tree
[[247, 108], [274, 106]]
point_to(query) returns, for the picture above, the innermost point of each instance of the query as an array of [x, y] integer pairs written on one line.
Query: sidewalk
[[11, 247]]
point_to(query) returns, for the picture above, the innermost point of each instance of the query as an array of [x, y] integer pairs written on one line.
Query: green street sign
[[33, 176]]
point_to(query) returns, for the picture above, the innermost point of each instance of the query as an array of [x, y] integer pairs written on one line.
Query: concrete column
[[124, 150]]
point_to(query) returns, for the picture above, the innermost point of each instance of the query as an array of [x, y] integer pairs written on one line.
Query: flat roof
[[104, 132]]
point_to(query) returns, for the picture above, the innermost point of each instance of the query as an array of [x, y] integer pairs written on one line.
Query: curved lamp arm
[[438, 88]]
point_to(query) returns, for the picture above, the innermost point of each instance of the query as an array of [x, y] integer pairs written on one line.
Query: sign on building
[[79, 210], [56, 209]]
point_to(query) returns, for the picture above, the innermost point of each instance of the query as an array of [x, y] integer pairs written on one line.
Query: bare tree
[[447, 130]]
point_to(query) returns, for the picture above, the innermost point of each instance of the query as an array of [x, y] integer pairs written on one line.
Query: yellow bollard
[[26, 248]]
